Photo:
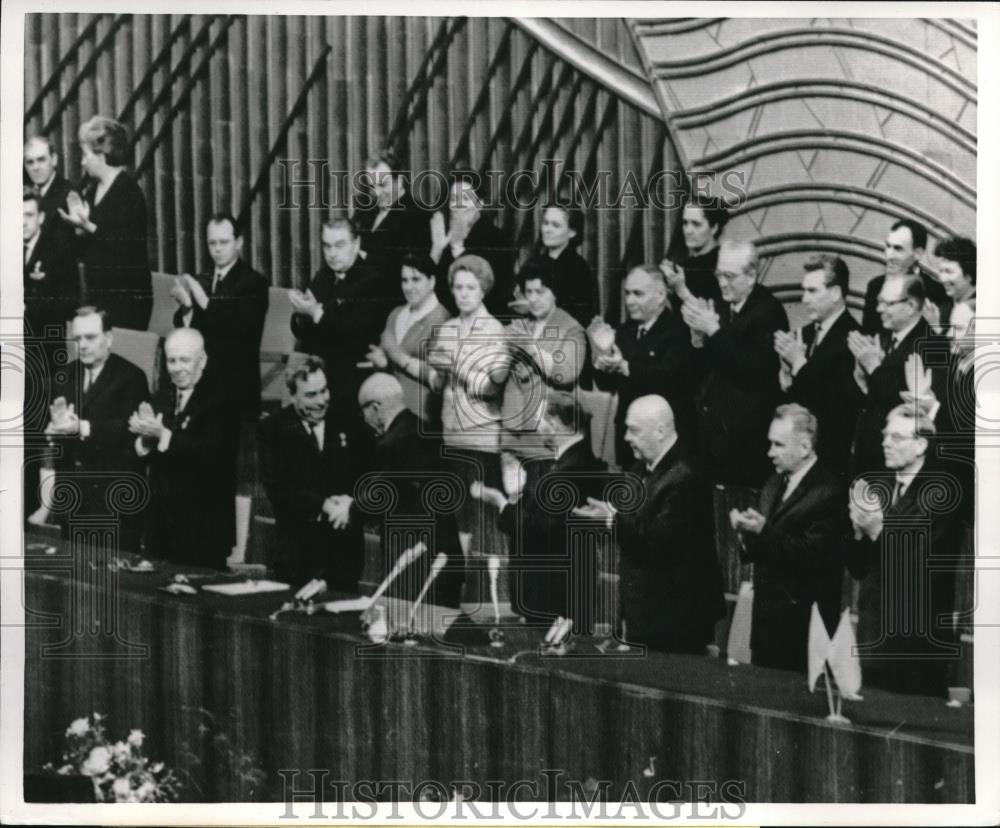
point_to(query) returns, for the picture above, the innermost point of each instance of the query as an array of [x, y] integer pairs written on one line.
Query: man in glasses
[[734, 347], [880, 363], [907, 530]]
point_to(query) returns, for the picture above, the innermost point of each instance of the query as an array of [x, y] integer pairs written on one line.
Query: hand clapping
[[790, 348], [866, 350], [303, 302], [748, 520], [700, 316], [145, 423], [63, 419]]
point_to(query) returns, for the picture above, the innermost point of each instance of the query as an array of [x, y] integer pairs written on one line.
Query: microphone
[[436, 567], [494, 569], [404, 560]]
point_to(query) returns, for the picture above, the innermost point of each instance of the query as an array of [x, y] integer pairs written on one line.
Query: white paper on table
[[348, 604], [246, 587]]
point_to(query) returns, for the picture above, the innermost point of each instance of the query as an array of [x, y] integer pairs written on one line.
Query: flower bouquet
[[601, 335], [120, 772]]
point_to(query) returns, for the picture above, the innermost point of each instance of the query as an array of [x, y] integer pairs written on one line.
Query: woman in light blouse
[[402, 348], [468, 363]]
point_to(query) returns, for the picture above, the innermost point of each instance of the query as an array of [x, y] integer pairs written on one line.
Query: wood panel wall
[[208, 97]]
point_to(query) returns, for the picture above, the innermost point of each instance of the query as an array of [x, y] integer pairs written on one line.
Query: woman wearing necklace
[[110, 224]]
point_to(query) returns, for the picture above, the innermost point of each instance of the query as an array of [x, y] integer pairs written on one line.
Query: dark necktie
[[88, 379], [890, 344], [179, 407], [216, 281], [732, 312], [897, 492], [640, 332], [315, 437], [782, 490], [813, 340]]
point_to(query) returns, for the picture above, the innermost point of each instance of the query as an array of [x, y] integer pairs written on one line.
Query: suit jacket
[[740, 390], [354, 312], [116, 267], [660, 363], [55, 198], [906, 639], [405, 229], [484, 240], [108, 455], [232, 325], [50, 301], [410, 462], [548, 577], [670, 581], [525, 391], [193, 514], [798, 560], [699, 274], [298, 479], [574, 282], [886, 383], [417, 395], [871, 320], [825, 385]]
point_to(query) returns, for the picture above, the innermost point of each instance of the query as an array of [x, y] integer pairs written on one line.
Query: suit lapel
[[797, 493]]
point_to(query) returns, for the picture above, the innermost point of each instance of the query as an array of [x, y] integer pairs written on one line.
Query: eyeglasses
[[885, 303]]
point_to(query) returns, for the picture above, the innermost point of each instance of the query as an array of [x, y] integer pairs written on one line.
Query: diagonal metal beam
[[161, 58], [318, 70], [53, 81], [523, 74]]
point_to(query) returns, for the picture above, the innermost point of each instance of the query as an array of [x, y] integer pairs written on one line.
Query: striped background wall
[[221, 107]]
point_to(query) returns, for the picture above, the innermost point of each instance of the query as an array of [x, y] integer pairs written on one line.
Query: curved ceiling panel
[[830, 129]]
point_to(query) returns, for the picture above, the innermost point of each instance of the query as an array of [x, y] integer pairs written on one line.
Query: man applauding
[[188, 436], [793, 539], [670, 584]]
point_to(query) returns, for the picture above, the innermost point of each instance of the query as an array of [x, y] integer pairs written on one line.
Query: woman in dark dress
[[702, 223], [565, 270], [110, 224]]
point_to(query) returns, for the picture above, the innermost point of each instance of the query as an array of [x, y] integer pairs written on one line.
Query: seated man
[[188, 436], [310, 454], [904, 554], [89, 424], [794, 539], [670, 586]]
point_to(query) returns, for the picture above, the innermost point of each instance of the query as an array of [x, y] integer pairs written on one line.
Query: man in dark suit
[[904, 248], [50, 284], [469, 232], [89, 425], [652, 354], [817, 368], [391, 225], [905, 554], [794, 540], [880, 369], [342, 311], [552, 575], [734, 348], [670, 584], [41, 166], [310, 454], [188, 437], [228, 307], [424, 499]]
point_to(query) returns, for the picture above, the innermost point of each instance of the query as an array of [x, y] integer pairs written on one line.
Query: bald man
[[670, 584], [410, 462], [734, 350], [188, 438]]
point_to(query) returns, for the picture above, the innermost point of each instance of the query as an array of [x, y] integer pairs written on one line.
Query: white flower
[[97, 763], [157, 767], [121, 789], [79, 727], [65, 770], [135, 738], [121, 751], [146, 792]]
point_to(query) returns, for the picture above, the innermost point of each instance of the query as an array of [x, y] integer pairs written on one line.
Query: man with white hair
[[188, 436], [794, 538], [670, 584], [734, 345]]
